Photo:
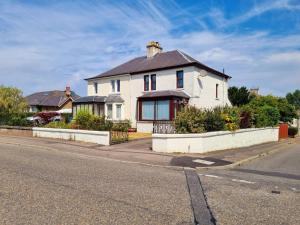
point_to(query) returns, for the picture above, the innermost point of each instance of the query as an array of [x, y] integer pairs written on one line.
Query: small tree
[[12, 101], [294, 99], [239, 96]]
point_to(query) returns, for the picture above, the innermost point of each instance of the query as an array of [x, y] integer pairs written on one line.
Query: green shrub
[[121, 126], [231, 117], [58, 124], [293, 131], [214, 120], [190, 120], [15, 119], [266, 116], [84, 120], [246, 117]]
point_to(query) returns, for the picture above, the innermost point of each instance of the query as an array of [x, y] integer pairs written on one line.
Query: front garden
[[261, 111]]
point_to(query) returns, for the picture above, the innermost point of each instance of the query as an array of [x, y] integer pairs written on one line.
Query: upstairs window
[[146, 83], [118, 85], [153, 82], [113, 87], [217, 91], [179, 79], [96, 87]]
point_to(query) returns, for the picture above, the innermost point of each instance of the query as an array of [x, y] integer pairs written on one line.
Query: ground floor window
[[118, 111], [109, 111], [155, 110]]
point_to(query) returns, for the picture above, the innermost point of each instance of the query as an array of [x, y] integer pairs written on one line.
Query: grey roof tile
[[167, 93], [164, 60]]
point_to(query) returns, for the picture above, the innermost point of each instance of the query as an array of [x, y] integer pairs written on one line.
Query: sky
[[51, 44]]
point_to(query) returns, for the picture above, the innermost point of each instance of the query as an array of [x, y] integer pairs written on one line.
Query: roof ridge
[[183, 55]]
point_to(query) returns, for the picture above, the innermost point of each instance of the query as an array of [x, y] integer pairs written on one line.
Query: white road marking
[[294, 189], [210, 175], [243, 181], [214, 176], [203, 161]]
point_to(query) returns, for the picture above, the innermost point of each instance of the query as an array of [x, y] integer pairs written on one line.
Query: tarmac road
[[262, 192], [52, 186]]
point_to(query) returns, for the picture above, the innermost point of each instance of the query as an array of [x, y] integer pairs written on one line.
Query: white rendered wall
[[98, 137], [212, 141], [200, 88]]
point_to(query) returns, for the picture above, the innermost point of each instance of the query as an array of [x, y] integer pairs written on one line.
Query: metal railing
[[163, 127]]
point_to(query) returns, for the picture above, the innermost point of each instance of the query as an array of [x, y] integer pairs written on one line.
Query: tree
[[239, 96], [12, 101], [294, 99], [286, 110]]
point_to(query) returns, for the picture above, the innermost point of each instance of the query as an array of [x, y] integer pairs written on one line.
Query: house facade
[[154, 87]]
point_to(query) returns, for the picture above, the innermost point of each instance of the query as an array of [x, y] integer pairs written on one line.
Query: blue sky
[[46, 45]]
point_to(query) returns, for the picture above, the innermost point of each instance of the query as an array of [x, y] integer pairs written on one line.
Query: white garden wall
[[98, 137], [213, 141]]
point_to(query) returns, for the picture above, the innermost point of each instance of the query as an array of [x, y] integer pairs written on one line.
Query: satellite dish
[[202, 73]]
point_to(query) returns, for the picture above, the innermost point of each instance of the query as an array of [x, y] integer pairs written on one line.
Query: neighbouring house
[[52, 100], [153, 88]]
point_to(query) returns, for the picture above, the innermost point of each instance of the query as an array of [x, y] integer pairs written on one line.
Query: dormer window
[[179, 79]]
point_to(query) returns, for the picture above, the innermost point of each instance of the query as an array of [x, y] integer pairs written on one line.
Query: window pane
[[109, 111], [112, 85], [146, 83], [96, 87], [179, 75], [153, 82], [163, 110], [148, 110], [119, 109], [118, 86]]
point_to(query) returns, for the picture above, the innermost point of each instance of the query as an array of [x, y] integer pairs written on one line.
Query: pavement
[[139, 151], [46, 181]]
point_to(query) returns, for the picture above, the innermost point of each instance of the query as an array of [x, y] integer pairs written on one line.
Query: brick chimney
[[68, 91], [153, 48]]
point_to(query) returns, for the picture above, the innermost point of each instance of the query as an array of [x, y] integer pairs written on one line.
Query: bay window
[[155, 110], [109, 111], [148, 110]]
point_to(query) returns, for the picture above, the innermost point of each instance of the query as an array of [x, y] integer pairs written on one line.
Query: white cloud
[[45, 48]]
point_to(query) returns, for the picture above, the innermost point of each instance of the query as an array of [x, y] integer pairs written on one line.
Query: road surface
[[262, 192], [46, 185]]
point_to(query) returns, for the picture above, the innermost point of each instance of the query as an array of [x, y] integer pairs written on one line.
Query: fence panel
[[118, 137]]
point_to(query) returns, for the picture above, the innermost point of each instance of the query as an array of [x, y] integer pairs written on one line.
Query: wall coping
[[15, 127], [92, 132], [211, 134]]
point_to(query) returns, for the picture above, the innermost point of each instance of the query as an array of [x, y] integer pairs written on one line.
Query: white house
[[153, 87]]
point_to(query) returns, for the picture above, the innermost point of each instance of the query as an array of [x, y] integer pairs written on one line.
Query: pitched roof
[[49, 98], [113, 98], [164, 60], [91, 99], [167, 93]]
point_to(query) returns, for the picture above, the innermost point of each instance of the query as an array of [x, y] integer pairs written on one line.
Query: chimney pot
[[68, 91], [153, 48]]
